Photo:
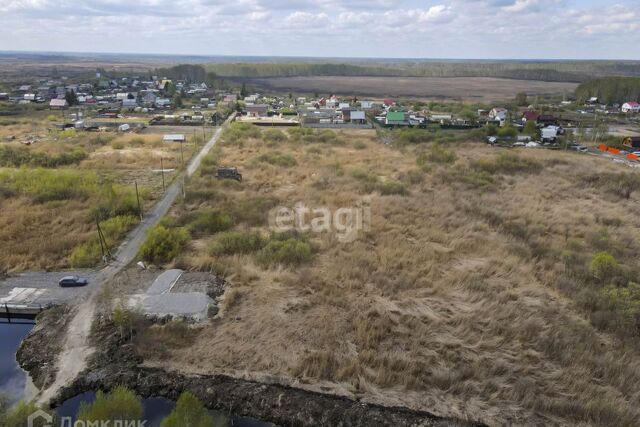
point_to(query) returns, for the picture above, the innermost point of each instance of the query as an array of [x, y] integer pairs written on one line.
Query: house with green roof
[[396, 118]]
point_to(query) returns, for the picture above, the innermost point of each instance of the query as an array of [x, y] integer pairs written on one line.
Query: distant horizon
[[302, 57]]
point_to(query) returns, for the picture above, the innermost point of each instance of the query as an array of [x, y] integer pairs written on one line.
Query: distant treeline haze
[[562, 71], [610, 90]]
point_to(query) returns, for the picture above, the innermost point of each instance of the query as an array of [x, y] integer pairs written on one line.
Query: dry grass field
[[479, 89], [493, 285], [52, 190]]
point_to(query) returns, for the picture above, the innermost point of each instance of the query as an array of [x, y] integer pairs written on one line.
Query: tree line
[[188, 73], [560, 71], [610, 90]]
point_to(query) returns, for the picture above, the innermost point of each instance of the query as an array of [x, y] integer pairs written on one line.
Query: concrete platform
[[193, 305], [159, 301], [164, 282]]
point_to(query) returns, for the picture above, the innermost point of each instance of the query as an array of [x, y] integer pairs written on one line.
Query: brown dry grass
[[41, 236], [455, 302]]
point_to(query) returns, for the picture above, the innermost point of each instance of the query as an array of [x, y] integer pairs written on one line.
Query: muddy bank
[[39, 351], [116, 362]]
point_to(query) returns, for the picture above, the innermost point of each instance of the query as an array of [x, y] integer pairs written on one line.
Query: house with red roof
[[630, 107], [530, 116]]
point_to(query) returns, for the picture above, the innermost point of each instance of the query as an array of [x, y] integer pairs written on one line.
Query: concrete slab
[[164, 282], [193, 305]]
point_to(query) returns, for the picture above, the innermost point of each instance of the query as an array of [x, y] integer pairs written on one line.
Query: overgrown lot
[[494, 285], [55, 185]]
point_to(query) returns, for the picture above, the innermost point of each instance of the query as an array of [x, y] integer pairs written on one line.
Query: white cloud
[[435, 28]]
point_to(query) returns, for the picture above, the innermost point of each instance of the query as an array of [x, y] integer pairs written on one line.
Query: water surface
[[13, 380]]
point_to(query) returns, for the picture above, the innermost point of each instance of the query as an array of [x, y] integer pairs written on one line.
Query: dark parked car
[[69, 281], [229, 173]]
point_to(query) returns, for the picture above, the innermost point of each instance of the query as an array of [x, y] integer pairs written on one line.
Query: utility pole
[[106, 254], [182, 154], [162, 172], [138, 198], [100, 238]]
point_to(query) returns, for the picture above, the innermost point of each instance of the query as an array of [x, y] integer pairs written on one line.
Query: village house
[[257, 110], [630, 107], [498, 114], [396, 118], [58, 104], [162, 102], [530, 116], [547, 120], [129, 103], [367, 105], [357, 117]]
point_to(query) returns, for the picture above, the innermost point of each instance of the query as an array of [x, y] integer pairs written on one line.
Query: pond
[[16, 385], [14, 382], [155, 410]]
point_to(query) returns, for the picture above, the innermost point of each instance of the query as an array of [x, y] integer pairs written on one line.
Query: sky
[[478, 29]]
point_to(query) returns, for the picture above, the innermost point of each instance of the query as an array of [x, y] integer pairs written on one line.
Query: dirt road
[[76, 349]]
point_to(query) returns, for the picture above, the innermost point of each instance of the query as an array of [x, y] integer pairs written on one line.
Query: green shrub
[[209, 221], [307, 135], [603, 266], [163, 244], [480, 180], [624, 300], [67, 133], [120, 404], [507, 132], [24, 156], [236, 242], [116, 200], [439, 154], [277, 158], [414, 136], [391, 187], [18, 415], [289, 252], [189, 411], [274, 135], [238, 131], [44, 185]]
